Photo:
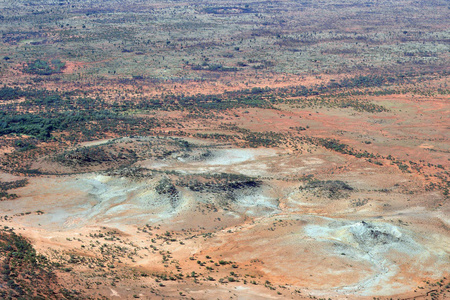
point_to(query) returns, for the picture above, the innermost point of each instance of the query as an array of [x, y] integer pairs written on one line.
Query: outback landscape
[[224, 150]]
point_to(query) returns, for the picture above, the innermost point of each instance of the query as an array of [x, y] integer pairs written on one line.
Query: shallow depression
[[386, 247]]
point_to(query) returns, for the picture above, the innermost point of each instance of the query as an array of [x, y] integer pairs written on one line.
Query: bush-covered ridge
[[27, 274]]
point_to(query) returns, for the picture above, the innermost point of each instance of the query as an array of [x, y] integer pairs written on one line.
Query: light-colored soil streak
[[383, 245]]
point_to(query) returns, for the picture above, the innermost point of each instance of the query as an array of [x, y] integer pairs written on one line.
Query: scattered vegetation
[[5, 186], [135, 71], [42, 67], [26, 274], [333, 189]]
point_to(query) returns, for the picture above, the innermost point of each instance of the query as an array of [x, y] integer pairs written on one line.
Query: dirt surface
[[352, 233], [363, 216], [223, 150]]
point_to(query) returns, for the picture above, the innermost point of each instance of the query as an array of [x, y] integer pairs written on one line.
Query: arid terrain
[[224, 150]]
